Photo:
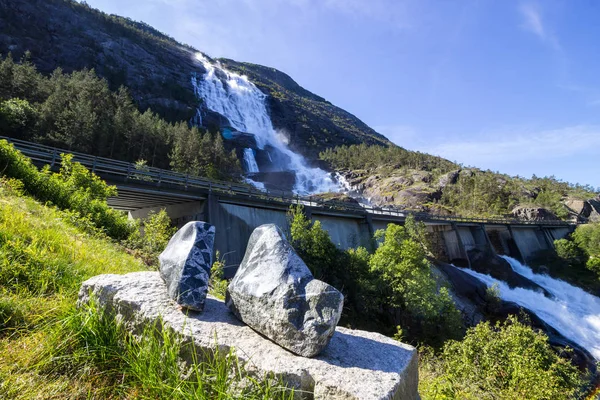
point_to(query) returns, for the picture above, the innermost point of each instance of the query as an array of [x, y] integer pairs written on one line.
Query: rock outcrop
[[584, 210], [186, 262], [275, 293], [355, 365], [533, 214]]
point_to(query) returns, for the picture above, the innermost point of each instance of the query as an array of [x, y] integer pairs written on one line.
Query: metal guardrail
[[122, 171]]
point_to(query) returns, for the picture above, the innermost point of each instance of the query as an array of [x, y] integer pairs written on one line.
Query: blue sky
[[512, 86]]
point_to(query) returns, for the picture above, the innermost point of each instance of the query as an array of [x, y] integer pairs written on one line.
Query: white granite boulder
[[355, 365], [186, 262], [274, 292]]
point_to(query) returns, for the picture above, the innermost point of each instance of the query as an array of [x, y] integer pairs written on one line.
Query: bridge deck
[[144, 187]]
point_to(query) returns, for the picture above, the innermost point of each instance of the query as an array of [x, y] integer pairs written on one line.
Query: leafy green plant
[[218, 284], [505, 361], [427, 313], [74, 188]]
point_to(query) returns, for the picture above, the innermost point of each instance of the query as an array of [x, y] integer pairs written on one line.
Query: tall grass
[[51, 350], [89, 344]]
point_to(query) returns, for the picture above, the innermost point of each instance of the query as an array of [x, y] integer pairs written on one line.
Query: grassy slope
[[50, 349], [43, 260]]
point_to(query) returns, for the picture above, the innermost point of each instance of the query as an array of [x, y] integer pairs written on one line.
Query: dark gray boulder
[[274, 293], [186, 262]]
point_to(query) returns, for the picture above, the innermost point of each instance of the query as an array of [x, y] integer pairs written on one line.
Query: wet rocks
[[186, 262], [274, 293]]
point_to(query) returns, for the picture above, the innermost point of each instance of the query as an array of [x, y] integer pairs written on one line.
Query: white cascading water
[[573, 312], [250, 161], [238, 99]]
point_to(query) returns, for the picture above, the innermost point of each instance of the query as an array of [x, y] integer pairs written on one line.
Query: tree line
[[79, 112]]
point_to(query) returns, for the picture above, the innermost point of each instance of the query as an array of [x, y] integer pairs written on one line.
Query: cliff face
[[72, 36], [157, 70]]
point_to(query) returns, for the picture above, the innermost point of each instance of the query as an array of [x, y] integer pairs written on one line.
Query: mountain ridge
[[157, 69]]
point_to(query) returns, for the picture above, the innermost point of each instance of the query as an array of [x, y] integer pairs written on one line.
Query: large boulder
[[356, 364], [275, 293], [186, 262]]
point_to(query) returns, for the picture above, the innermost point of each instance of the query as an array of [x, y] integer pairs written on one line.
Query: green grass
[[52, 350]]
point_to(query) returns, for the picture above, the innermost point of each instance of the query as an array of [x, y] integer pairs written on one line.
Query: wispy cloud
[[533, 21]]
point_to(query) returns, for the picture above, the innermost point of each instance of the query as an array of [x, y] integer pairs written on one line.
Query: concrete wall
[[466, 236], [180, 213], [345, 233], [529, 241], [454, 250], [502, 241], [234, 225], [558, 233]]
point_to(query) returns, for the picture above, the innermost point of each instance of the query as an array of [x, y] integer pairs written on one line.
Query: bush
[[427, 314], [392, 287], [567, 249], [347, 271], [151, 236], [218, 284], [506, 361], [74, 188]]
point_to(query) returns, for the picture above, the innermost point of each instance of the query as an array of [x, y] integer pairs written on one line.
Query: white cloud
[[505, 148]]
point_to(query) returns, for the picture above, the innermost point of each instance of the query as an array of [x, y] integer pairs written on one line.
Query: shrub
[[151, 236], [567, 249], [74, 188], [348, 271], [426, 313], [506, 361], [217, 284]]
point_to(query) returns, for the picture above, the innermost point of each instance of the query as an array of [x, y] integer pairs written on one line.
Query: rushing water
[[250, 161], [573, 312], [238, 99]]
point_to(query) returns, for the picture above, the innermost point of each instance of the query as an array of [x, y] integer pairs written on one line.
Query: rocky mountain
[[158, 70]]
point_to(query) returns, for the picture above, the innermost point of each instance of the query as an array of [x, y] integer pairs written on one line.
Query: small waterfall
[[238, 99], [250, 161], [573, 312]]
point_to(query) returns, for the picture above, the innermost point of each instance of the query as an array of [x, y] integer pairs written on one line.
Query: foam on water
[[573, 312]]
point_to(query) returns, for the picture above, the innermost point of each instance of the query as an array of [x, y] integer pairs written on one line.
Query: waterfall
[[573, 312], [238, 99], [250, 161]]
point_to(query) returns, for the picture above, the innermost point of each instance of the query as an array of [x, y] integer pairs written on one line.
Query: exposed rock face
[[280, 180], [584, 210], [186, 262], [66, 34], [274, 293], [355, 365], [448, 179], [533, 214]]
